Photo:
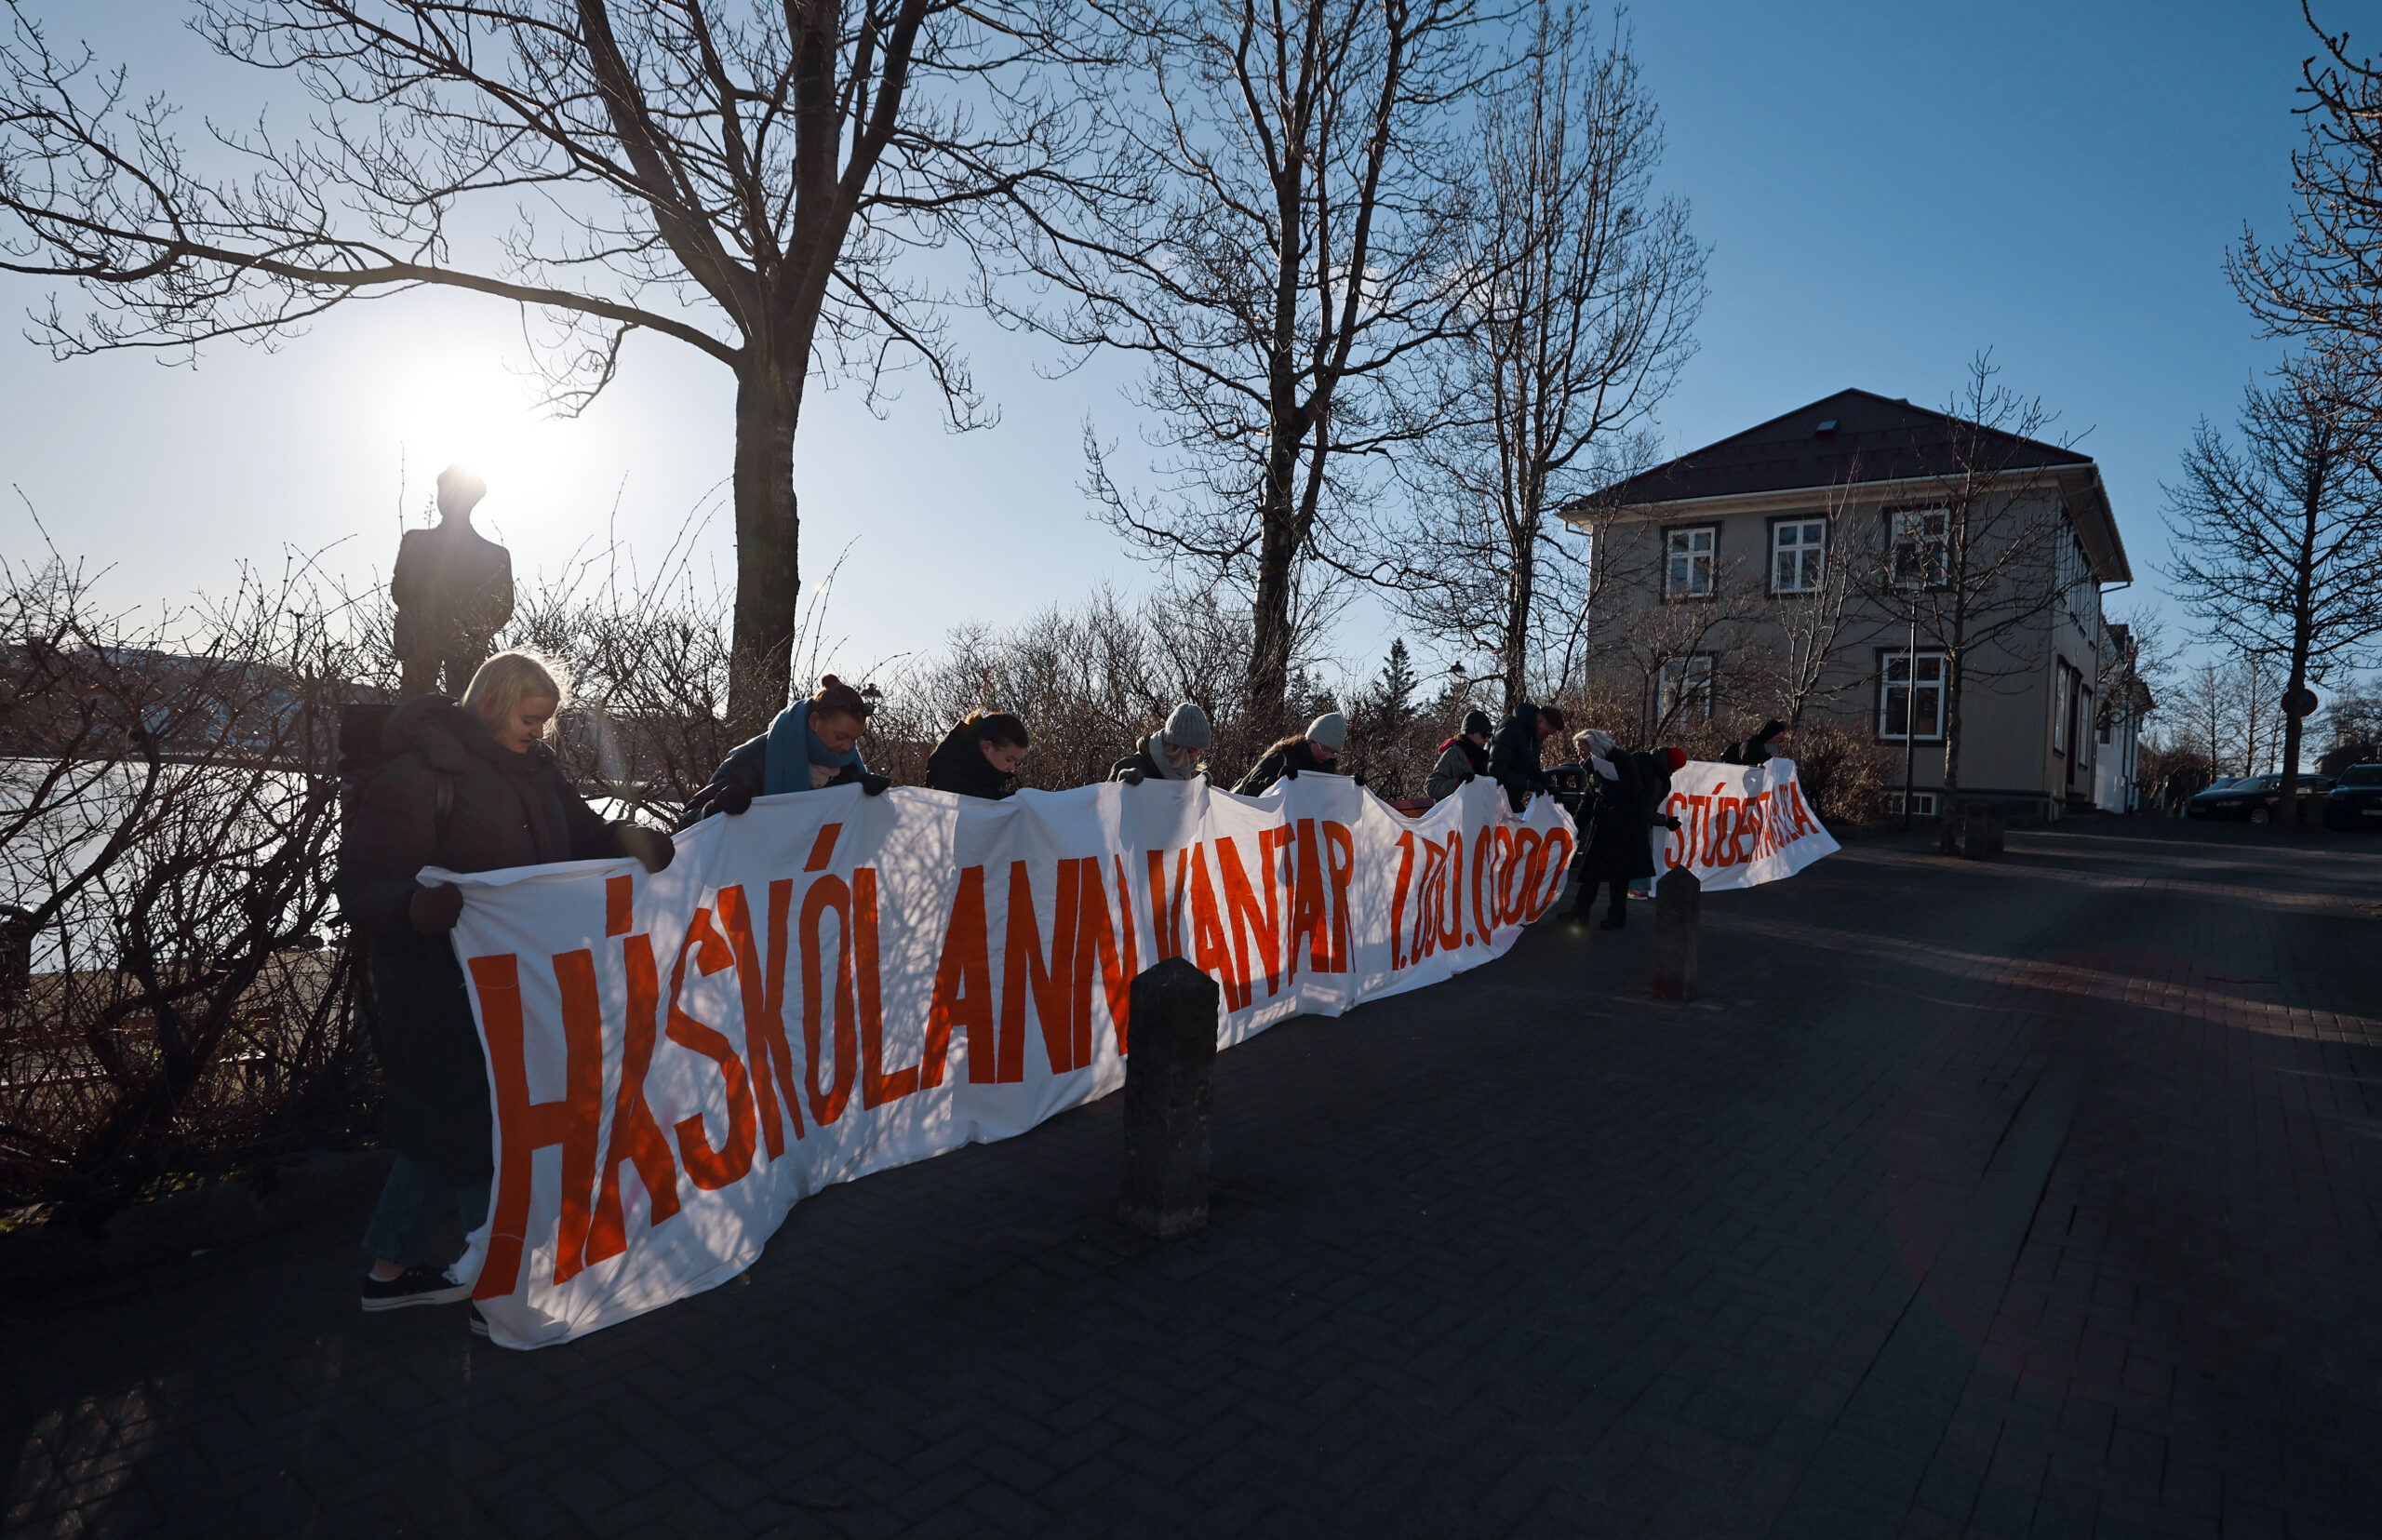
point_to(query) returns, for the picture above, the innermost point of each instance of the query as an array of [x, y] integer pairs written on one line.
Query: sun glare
[[472, 411]]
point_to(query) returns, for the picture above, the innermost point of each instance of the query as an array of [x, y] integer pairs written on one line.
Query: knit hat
[[1187, 729], [1331, 730], [1596, 741], [1676, 757], [1478, 721]]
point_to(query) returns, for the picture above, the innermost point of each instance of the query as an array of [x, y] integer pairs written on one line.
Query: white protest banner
[[1741, 826], [835, 983]]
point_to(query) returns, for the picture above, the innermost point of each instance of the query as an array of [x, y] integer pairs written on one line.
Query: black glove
[[434, 911], [650, 846], [1358, 779], [1673, 824], [733, 798], [1290, 772], [1131, 775], [874, 784]]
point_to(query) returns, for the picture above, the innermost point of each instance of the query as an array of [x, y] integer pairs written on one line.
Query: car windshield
[[2361, 775], [2259, 782]]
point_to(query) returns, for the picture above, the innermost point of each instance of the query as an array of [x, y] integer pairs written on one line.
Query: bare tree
[[1675, 661], [1981, 554], [2277, 545], [740, 179], [2324, 282], [1582, 292], [1817, 619], [1286, 250]]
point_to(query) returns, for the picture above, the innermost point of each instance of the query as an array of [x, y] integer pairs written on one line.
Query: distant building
[[1725, 556]]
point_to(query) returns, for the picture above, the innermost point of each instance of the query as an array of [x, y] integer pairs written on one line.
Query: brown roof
[[1850, 435]]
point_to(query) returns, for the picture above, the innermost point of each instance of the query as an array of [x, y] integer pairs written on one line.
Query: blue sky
[[1887, 187]]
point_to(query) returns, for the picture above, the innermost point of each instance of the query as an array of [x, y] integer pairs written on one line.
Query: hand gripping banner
[[1741, 824], [833, 983]]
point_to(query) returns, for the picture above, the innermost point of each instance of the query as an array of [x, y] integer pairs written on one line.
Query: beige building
[[1863, 560]]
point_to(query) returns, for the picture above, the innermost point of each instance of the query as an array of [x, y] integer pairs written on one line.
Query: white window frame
[[1678, 547], [1923, 803], [1911, 533], [1887, 662], [1693, 673], [1797, 555]]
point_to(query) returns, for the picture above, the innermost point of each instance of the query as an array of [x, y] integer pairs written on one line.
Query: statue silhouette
[[454, 591]]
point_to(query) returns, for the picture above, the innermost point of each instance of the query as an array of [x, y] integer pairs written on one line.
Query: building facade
[[1906, 575]]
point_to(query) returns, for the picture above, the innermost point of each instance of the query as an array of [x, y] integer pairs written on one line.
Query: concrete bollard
[[1678, 902], [1168, 1096]]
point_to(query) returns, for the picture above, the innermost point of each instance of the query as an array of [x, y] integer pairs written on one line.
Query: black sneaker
[[479, 1322], [419, 1284]]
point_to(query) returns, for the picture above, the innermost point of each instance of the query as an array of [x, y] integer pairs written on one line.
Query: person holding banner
[[980, 756], [1616, 850], [1172, 753], [1513, 753], [471, 787], [1462, 757], [811, 745], [1316, 749]]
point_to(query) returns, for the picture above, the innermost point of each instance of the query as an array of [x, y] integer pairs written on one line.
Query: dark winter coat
[[1618, 846], [1460, 760], [739, 778], [1152, 765], [503, 810], [1755, 750], [958, 764], [1513, 755], [1292, 759]]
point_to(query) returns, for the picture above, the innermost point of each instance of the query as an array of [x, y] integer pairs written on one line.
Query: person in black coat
[[1513, 751], [980, 756], [1755, 750], [1615, 850], [473, 788], [1316, 749]]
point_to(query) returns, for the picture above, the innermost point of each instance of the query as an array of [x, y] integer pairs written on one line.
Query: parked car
[[2251, 797], [2355, 801]]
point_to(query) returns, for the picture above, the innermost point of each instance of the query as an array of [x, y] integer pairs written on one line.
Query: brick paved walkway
[[2029, 1199]]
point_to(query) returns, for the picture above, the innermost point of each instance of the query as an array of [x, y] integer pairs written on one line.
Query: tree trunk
[[769, 576], [1949, 795], [1270, 640], [1520, 595]]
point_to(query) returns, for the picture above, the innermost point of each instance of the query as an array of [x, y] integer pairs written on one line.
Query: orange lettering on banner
[[766, 1050], [620, 905], [1121, 1006], [963, 988], [1096, 944], [1247, 919], [1803, 821], [1340, 856], [1451, 911], [707, 1168], [876, 1087], [1209, 952], [637, 1137], [1397, 958], [1166, 921], [1023, 966], [828, 894], [1483, 844], [1675, 843], [822, 849], [524, 1127], [1557, 860], [1310, 917], [1515, 899], [1427, 897]]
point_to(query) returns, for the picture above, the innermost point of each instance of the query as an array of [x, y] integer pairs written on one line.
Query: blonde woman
[[471, 787]]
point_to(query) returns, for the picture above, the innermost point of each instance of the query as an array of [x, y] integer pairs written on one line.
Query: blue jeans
[[412, 1201]]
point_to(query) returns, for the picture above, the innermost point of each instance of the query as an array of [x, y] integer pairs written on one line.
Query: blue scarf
[[794, 748]]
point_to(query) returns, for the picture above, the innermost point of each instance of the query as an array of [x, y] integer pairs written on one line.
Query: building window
[[1921, 536], [1687, 687], [1797, 555], [2059, 698], [1897, 700], [1923, 803], [1688, 575]]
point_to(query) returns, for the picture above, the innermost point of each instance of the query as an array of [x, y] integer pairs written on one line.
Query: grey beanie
[[1331, 730], [1187, 729]]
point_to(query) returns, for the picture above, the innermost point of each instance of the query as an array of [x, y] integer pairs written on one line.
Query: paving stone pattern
[[2035, 1197]]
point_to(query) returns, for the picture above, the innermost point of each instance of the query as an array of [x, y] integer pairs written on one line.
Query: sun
[[471, 410]]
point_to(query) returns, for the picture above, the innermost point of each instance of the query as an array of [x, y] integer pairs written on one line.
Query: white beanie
[[1187, 729], [1331, 730]]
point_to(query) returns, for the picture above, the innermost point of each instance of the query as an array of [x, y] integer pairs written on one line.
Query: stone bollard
[[1976, 831], [1997, 828], [1679, 899], [1168, 1096]]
